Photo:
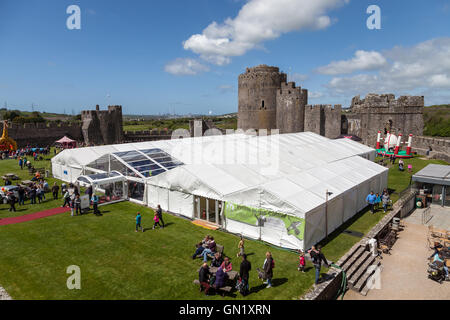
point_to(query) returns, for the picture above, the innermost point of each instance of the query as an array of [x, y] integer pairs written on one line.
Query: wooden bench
[[223, 290], [219, 248]]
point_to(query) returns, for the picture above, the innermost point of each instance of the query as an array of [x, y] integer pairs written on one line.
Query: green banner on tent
[[294, 225]]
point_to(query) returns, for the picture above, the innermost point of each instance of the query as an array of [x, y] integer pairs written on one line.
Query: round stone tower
[[258, 97]]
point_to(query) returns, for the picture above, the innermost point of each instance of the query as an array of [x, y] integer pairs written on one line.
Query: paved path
[[33, 216], [404, 275]]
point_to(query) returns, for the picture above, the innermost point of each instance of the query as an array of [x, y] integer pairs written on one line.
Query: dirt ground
[[404, 273]]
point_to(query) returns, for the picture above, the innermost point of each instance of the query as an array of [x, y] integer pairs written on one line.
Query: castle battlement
[[373, 100]]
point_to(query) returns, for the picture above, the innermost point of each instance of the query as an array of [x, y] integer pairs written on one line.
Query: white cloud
[[362, 61], [315, 95], [423, 68], [185, 66], [298, 77], [256, 22]]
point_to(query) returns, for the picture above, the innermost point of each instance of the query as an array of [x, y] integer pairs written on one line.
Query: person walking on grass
[[156, 220], [77, 202], [268, 266], [301, 261], [94, 200], [21, 193], [66, 198], [55, 190], [12, 201], [138, 222], [241, 247], [244, 273], [71, 206], [317, 259], [385, 199], [377, 202], [370, 199], [159, 213]]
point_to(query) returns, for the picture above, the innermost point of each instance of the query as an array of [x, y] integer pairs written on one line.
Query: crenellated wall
[[290, 113], [42, 134]]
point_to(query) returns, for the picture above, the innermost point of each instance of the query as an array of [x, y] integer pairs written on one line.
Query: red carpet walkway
[[33, 216]]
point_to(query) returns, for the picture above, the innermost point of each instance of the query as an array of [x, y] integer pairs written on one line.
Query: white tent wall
[[181, 203], [335, 213], [157, 195], [314, 227], [350, 203], [57, 171]]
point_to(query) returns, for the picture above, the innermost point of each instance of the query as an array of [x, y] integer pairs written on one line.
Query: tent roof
[[297, 168], [434, 173], [65, 139]]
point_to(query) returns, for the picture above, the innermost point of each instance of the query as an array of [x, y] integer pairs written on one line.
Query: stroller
[[436, 272]]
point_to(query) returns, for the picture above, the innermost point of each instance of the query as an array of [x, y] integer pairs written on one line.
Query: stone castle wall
[[384, 112], [42, 134]]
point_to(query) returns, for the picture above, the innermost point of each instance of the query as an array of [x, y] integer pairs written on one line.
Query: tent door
[[208, 210]]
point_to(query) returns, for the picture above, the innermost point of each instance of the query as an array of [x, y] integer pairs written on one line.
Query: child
[[156, 219], [301, 263], [138, 222], [241, 247], [377, 202], [410, 168]]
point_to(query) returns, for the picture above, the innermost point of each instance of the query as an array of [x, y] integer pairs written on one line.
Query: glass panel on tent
[[136, 190], [101, 163], [109, 187]]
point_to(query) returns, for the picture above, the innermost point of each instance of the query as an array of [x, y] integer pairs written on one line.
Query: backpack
[[273, 263]]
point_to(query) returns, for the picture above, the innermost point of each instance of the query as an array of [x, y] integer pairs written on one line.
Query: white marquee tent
[[272, 188]]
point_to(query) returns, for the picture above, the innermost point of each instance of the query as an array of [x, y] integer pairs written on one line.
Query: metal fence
[[426, 215]]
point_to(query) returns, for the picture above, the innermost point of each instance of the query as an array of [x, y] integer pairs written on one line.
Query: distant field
[[172, 124]]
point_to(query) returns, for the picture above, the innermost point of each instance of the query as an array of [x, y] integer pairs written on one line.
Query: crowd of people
[[376, 201]]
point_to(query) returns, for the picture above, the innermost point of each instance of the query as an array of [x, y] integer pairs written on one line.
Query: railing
[[426, 215]]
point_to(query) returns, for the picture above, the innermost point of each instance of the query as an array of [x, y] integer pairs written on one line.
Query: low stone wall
[[440, 147], [328, 289]]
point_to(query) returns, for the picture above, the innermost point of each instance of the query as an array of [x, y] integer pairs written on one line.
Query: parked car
[[4, 191]]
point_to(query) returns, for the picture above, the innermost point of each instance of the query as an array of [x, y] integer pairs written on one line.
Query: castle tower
[[290, 111], [257, 97]]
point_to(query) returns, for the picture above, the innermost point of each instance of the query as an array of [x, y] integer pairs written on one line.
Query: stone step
[[356, 266], [363, 280], [353, 258], [353, 279]]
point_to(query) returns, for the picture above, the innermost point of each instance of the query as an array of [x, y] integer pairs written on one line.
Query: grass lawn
[[117, 263]]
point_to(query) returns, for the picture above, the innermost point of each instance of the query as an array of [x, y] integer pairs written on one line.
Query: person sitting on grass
[[138, 222], [198, 251], [210, 250], [226, 265], [203, 278], [217, 260]]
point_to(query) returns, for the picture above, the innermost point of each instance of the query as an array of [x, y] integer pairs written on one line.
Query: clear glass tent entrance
[[109, 187], [136, 166]]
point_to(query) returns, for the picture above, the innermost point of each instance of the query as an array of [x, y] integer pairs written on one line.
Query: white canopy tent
[[265, 187]]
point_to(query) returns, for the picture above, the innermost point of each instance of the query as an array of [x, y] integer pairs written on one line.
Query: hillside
[[437, 120]]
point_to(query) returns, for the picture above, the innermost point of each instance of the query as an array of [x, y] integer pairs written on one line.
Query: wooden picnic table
[[232, 275], [27, 182]]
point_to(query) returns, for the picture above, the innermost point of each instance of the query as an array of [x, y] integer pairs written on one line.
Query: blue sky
[[156, 57]]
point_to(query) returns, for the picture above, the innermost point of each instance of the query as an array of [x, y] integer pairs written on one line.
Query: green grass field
[[117, 263]]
